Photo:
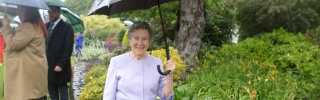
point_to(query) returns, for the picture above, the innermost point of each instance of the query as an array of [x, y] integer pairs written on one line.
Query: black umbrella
[[109, 7]]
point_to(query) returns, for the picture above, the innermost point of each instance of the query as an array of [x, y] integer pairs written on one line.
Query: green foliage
[[183, 92], [259, 16], [93, 50], [80, 7], [219, 22], [95, 80], [125, 40], [314, 35], [313, 4], [121, 34], [99, 27], [1, 78], [274, 66], [95, 73]]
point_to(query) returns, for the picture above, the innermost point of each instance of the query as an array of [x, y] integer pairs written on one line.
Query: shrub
[[94, 73], [174, 55], [314, 35], [99, 27], [278, 65], [121, 34], [93, 51], [95, 80], [259, 16], [219, 22]]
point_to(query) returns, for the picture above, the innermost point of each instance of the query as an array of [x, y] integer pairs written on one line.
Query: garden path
[[78, 79]]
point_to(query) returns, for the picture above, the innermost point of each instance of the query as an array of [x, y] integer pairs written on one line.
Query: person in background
[[79, 44], [59, 47], [134, 75], [25, 74], [1, 55], [2, 45]]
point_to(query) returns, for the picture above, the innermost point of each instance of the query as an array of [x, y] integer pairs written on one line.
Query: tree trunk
[[188, 38]]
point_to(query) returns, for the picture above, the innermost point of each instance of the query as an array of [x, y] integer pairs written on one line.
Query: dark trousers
[[56, 89]]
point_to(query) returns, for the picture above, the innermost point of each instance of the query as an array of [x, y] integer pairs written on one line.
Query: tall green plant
[[274, 66], [93, 50], [99, 27], [220, 21], [80, 7]]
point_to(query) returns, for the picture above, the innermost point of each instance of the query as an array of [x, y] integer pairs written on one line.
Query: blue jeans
[[78, 48], [56, 89]]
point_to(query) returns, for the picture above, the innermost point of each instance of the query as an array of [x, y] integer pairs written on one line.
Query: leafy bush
[[99, 27], [121, 34], [174, 55], [95, 73], [275, 66], [259, 16], [95, 80], [314, 35], [93, 51], [219, 22]]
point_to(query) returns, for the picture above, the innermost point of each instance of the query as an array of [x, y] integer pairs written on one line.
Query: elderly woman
[[26, 67], [134, 75]]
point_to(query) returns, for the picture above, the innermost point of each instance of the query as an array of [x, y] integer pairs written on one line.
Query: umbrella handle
[[163, 73]]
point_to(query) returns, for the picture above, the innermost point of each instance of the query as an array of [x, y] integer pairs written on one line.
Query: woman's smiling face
[[140, 42]]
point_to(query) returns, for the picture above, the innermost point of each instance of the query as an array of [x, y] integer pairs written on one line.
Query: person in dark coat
[[59, 46]]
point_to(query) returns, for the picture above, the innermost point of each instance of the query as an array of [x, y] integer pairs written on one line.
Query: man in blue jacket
[[79, 43]]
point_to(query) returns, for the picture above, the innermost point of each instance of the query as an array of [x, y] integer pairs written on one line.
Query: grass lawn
[[1, 80]]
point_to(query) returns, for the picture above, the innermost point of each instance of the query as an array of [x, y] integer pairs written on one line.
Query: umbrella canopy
[[74, 20], [31, 3], [8, 9], [108, 7], [43, 15], [58, 3]]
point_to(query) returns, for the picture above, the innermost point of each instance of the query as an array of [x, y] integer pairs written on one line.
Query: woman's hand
[[168, 88], [5, 21], [170, 66]]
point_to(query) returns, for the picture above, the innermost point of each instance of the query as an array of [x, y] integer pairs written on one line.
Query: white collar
[[55, 23]]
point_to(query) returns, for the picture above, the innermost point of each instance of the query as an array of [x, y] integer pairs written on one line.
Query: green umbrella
[[74, 20], [58, 3], [68, 16]]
